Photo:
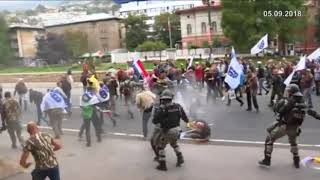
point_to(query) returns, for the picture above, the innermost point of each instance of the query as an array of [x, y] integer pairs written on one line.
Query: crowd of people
[[154, 96]]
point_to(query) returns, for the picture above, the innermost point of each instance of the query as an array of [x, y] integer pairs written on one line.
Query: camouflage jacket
[[11, 110]]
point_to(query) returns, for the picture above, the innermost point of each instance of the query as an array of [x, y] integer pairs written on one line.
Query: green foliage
[[5, 46], [136, 30], [77, 42], [216, 43], [243, 21], [161, 28], [152, 46], [192, 46], [205, 44], [52, 49]]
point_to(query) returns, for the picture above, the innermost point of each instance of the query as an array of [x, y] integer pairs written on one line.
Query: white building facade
[[155, 8]]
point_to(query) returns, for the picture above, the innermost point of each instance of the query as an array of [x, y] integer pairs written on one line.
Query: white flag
[[315, 55], [300, 66], [234, 72], [190, 63], [262, 44]]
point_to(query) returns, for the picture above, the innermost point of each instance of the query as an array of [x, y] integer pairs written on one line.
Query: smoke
[[192, 101]]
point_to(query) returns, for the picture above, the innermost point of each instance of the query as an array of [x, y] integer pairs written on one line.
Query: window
[[203, 28], [214, 26], [189, 29]]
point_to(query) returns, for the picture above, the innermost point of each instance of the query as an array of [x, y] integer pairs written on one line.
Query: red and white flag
[[99, 54], [139, 68]]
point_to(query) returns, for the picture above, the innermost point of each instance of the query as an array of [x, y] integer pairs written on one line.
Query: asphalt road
[[229, 122]]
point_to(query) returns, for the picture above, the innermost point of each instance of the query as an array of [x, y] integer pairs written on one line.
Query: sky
[[13, 5]]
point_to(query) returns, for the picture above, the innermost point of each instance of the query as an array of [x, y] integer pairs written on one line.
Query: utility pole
[[209, 2], [169, 27]]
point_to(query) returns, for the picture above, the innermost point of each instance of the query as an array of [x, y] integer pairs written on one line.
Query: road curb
[[217, 142]]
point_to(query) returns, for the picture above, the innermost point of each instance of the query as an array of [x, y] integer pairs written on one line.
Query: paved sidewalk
[[125, 159]]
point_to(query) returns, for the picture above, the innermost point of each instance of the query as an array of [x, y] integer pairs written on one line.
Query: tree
[[152, 46], [136, 30], [76, 42], [161, 28], [5, 46], [52, 48], [245, 21], [216, 43], [205, 44], [318, 27]]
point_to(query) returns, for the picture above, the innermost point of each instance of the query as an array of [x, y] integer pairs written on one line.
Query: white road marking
[[211, 140]]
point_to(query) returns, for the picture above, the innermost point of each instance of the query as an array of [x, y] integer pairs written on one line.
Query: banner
[[234, 72], [262, 44], [300, 66], [315, 55]]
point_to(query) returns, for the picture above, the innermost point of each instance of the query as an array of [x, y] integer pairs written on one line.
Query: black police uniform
[[291, 113], [168, 118]]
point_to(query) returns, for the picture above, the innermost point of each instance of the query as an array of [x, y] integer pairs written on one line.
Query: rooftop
[[25, 26], [133, 6], [199, 8], [80, 19]]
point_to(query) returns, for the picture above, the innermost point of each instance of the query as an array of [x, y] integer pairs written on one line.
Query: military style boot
[[266, 161], [296, 161], [156, 158], [180, 160], [162, 166]]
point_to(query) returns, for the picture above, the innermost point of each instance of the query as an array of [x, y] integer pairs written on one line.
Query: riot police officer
[[168, 116], [291, 113]]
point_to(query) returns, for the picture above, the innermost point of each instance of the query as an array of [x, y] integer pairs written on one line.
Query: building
[[195, 28], [104, 31], [23, 40], [154, 8], [53, 18], [312, 8]]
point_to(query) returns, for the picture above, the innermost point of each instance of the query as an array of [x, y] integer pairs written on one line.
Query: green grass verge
[[106, 66]]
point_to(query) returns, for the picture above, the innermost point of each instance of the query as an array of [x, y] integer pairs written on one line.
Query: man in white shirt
[[144, 101]]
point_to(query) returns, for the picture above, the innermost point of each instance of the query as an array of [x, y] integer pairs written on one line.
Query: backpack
[[87, 112]]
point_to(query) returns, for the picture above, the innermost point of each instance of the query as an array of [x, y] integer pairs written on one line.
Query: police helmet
[[166, 94], [294, 90]]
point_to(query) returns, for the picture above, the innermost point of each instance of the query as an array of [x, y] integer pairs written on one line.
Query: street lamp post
[[209, 2], [169, 27]]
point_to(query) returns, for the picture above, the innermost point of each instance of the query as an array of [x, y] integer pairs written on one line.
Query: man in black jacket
[[36, 98], [261, 78]]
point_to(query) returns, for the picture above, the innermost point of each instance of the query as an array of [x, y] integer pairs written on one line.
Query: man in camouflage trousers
[[11, 114]]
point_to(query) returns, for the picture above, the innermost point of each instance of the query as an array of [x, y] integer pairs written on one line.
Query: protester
[[42, 147], [89, 113], [53, 105], [317, 79], [22, 90], [261, 78], [11, 115], [145, 101], [251, 90], [36, 98], [306, 86]]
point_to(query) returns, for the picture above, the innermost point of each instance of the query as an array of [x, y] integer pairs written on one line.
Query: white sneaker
[[223, 98]]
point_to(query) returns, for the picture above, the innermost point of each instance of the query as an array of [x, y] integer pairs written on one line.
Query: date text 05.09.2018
[[282, 13]]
